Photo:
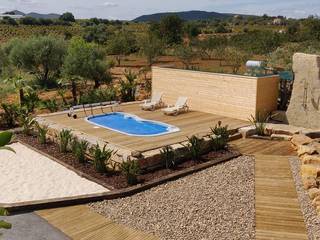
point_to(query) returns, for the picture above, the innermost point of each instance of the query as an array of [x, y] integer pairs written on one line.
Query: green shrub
[[5, 139], [128, 86], [195, 147], [259, 123], [220, 137], [65, 137], [98, 95], [27, 123], [4, 224], [130, 169], [51, 105], [31, 100], [42, 133], [101, 158], [79, 149], [10, 114], [168, 157]]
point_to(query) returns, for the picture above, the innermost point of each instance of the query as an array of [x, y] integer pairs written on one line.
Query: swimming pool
[[131, 125]]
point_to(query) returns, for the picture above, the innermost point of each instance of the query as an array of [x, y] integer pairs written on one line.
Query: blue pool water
[[131, 124]]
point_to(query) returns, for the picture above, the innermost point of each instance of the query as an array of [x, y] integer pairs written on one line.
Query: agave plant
[[194, 146], [259, 123], [130, 169], [5, 139], [27, 123]]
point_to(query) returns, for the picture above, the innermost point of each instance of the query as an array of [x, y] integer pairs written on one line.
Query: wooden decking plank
[[80, 223]]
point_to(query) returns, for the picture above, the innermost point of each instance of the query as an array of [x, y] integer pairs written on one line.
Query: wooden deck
[[278, 213], [189, 123], [80, 223]]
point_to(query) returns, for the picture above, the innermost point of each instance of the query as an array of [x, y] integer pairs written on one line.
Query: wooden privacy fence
[[234, 96]]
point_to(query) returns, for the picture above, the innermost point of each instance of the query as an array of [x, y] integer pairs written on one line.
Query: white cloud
[[110, 4]]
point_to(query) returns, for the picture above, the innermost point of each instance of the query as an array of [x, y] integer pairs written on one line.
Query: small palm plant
[[27, 122], [220, 137], [168, 157], [195, 147], [65, 137], [101, 158], [42, 133], [131, 170], [79, 149]]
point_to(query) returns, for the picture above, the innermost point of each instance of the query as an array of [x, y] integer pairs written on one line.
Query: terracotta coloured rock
[[304, 107], [309, 182], [306, 149], [300, 139], [313, 193], [310, 170], [310, 159]]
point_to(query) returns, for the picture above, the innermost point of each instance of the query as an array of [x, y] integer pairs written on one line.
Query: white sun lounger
[[155, 102], [179, 107]]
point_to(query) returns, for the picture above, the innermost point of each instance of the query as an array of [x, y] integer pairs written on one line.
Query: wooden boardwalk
[[80, 223], [189, 123], [278, 213]]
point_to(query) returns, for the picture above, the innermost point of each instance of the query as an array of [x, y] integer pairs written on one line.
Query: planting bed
[[116, 180]]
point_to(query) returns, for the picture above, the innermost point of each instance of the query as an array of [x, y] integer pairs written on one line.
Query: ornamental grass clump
[[195, 145], [131, 170], [219, 137], [101, 158], [168, 157], [260, 123], [65, 137], [42, 133], [79, 149], [27, 123]]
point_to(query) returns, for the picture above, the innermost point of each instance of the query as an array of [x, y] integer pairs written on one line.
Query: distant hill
[[34, 14], [189, 15], [44, 16]]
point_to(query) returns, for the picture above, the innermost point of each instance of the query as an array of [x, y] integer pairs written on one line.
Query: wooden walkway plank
[[80, 223]]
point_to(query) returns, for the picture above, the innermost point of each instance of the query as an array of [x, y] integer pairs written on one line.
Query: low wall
[[234, 96]]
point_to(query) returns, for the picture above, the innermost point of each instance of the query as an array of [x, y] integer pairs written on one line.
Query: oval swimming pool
[[131, 125]]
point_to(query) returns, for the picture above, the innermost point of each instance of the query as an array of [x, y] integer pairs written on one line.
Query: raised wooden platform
[[80, 223], [190, 123]]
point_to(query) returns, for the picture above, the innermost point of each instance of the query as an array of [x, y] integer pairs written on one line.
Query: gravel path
[[310, 216], [217, 203]]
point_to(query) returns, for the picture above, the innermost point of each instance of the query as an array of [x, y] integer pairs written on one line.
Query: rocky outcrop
[[304, 107]]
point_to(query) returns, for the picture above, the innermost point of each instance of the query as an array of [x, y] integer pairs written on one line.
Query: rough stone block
[[300, 139], [309, 182], [304, 107], [281, 137], [310, 159], [247, 131], [306, 149], [313, 193]]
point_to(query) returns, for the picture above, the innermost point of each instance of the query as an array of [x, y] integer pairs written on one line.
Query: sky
[[130, 9]]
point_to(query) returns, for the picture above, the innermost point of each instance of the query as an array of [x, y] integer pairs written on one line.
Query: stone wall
[[304, 107]]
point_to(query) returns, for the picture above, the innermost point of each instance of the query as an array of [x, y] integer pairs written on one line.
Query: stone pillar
[[304, 107]]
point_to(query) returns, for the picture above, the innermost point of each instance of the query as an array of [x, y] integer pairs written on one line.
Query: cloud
[[110, 4]]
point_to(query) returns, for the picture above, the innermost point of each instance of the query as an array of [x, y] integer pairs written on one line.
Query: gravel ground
[[310, 216], [217, 203]]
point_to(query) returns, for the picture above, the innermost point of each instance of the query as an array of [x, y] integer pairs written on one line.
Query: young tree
[[186, 54], [191, 30], [42, 56], [121, 44], [68, 17], [150, 46], [171, 29], [84, 61], [235, 58], [96, 33]]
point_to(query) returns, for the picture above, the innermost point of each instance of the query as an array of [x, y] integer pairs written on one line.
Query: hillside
[[35, 15], [189, 15]]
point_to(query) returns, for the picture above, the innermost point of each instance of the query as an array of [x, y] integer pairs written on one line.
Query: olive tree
[[235, 58], [84, 61], [186, 54], [121, 44], [43, 56], [150, 46]]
